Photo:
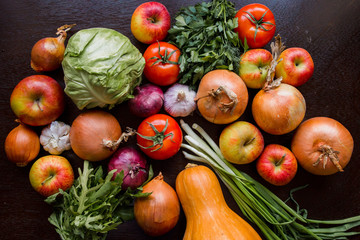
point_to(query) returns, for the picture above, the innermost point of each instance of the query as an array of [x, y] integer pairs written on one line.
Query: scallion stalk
[[273, 216]]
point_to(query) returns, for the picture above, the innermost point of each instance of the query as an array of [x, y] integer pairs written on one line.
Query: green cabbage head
[[101, 67]]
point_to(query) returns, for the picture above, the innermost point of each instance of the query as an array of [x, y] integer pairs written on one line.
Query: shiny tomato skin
[[162, 74], [246, 28], [171, 144]]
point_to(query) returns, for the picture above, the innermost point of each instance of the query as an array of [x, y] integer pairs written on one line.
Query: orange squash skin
[[207, 214]]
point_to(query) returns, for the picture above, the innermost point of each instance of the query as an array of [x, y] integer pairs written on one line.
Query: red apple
[[277, 165], [49, 173], [241, 142], [296, 66], [254, 65], [150, 22], [37, 100]]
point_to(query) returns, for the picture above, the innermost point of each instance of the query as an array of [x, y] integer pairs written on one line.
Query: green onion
[[273, 216]]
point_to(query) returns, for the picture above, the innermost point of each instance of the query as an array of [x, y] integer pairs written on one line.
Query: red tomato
[[159, 136], [161, 65], [256, 23]]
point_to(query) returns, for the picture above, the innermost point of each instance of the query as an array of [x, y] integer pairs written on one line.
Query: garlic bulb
[[55, 138], [179, 100]]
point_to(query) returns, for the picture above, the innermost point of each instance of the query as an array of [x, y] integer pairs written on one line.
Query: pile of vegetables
[[272, 215], [197, 69]]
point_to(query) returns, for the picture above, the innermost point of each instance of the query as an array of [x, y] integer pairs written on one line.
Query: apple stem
[[250, 141], [47, 179], [151, 19], [38, 104], [278, 163]]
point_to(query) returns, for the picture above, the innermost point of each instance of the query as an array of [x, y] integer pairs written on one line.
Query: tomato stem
[[158, 138], [164, 58], [258, 22]]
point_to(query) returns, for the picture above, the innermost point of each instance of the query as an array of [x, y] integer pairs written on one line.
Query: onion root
[[225, 107], [113, 145], [328, 153]]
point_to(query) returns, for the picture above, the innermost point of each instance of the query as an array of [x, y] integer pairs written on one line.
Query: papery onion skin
[[148, 100], [89, 131], [22, 145], [158, 213], [47, 54], [212, 108], [134, 165], [316, 132], [279, 110]]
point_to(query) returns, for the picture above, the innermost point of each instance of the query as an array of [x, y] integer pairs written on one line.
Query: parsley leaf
[[205, 35]]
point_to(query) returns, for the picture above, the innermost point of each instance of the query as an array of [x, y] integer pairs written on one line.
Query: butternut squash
[[207, 214]]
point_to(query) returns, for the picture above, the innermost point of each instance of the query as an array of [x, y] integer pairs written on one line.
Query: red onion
[[148, 100], [134, 165]]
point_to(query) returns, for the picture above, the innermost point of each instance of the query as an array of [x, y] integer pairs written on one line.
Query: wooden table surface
[[328, 29]]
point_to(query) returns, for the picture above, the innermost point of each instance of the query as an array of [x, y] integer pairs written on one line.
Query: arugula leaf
[[205, 35], [93, 206]]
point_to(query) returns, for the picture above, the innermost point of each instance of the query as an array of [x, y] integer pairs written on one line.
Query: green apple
[[254, 65], [51, 173], [241, 142], [37, 100]]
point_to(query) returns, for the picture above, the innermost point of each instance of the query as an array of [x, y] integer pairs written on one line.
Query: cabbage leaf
[[101, 67]]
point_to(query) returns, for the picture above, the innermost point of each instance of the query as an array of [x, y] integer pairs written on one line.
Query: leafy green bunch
[[93, 206], [205, 35]]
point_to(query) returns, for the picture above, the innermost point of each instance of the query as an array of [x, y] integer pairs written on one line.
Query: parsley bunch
[[205, 35]]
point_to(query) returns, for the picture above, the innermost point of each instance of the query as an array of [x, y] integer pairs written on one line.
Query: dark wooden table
[[329, 30]]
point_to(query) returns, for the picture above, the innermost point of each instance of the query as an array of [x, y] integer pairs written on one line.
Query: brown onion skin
[[47, 54], [158, 213], [209, 106], [88, 131], [317, 131], [22, 145], [279, 110]]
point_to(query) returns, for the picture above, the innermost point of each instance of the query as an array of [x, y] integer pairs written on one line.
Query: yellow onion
[[48, 53], [322, 145], [95, 135], [22, 145], [158, 213], [222, 96]]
